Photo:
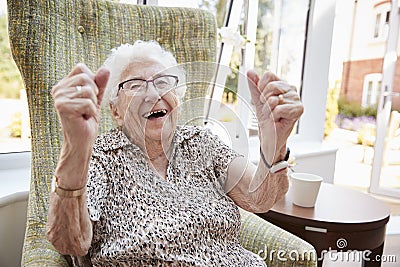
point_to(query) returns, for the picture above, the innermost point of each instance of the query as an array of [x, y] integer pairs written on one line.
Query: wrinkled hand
[[77, 99], [278, 107]]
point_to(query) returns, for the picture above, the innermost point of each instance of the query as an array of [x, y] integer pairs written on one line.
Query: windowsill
[[310, 156], [298, 148], [15, 172], [377, 40], [303, 148]]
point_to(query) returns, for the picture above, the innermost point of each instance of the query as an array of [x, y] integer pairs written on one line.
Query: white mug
[[305, 188]]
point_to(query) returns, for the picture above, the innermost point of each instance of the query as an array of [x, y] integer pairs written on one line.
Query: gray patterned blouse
[[140, 219]]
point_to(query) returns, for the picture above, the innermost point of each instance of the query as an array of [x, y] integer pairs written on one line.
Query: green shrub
[[370, 111], [353, 109]]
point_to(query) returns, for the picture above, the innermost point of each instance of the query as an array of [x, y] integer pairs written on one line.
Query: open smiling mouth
[[155, 114]]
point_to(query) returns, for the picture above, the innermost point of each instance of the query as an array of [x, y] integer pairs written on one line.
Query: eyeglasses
[[163, 84]]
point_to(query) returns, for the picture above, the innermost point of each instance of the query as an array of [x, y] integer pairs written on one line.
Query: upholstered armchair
[[49, 37]]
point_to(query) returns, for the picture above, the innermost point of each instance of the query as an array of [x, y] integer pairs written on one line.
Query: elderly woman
[[149, 192]]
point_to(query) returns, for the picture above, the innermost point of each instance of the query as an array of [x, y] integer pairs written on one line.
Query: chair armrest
[[275, 245]]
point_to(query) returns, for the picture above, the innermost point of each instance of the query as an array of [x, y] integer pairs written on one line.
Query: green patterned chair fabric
[[275, 245], [49, 37]]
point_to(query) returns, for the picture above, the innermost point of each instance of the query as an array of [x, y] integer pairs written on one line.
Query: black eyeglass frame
[[120, 85]]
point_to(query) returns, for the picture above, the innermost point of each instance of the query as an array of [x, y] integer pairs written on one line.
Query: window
[[381, 21], [281, 34], [372, 89], [377, 25], [387, 17], [280, 25], [14, 121]]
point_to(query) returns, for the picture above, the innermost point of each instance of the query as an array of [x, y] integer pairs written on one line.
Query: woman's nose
[[152, 94]]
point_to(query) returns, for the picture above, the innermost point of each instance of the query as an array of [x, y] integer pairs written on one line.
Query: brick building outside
[[363, 35], [353, 79]]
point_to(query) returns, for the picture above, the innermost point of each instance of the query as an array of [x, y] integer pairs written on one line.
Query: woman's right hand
[[77, 99]]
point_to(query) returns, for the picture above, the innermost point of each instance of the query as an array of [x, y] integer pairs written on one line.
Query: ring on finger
[[79, 91], [281, 100]]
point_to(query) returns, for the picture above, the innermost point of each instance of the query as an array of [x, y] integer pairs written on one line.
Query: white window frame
[[311, 153], [375, 79], [316, 71], [381, 27]]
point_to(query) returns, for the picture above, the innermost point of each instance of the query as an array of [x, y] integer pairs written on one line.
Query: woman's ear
[[114, 111]]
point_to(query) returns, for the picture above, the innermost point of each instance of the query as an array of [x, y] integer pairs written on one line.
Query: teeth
[[148, 114]]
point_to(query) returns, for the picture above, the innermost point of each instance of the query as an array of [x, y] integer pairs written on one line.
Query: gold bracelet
[[62, 192]]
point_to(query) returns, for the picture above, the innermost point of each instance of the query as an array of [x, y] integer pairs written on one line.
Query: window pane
[[281, 37], [377, 25], [387, 17], [369, 93], [378, 91], [14, 120]]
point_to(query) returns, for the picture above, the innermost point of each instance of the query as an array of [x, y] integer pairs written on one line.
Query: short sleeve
[[97, 188], [222, 155]]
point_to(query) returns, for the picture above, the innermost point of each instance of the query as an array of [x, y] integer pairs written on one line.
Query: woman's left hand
[[278, 107]]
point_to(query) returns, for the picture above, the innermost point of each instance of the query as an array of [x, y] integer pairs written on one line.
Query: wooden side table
[[342, 220]]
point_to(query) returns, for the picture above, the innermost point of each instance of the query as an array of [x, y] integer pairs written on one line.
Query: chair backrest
[[49, 37]]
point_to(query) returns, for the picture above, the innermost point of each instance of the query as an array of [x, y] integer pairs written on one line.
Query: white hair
[[121, 57]]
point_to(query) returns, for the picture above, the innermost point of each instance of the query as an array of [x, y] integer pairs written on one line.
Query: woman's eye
[[161, 83], [135, 86]]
